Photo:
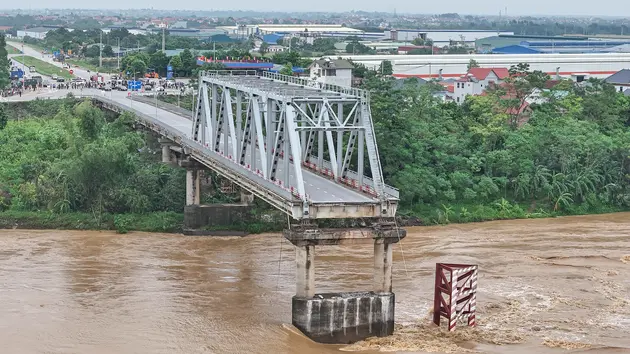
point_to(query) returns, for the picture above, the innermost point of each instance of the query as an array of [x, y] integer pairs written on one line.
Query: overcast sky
[[484, 7]]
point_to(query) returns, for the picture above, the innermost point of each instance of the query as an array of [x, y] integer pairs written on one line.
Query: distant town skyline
[[486, 7]]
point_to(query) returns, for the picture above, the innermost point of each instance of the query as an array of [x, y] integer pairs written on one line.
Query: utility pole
[[100, 52], [118, 55], [163, 38], [23, 62]]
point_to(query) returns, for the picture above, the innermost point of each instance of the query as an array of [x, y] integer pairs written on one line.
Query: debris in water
[[553, 343], [425, 336]]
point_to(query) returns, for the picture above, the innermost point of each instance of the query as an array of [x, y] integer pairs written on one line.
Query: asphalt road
[[78, 72]]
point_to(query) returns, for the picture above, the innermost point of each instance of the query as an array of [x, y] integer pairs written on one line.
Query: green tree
[[189, 62], [176, 63], [92, 51], [138, 67], [91, 119], [386, 68], [4, 63], [264, 48], [3, 117], [358, 48], [108, 51], [472, 64], [520, 84], [159, 61], [287, 69]]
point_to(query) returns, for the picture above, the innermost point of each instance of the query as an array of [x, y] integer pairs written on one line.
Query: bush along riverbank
[[121, 223], [66, 164]]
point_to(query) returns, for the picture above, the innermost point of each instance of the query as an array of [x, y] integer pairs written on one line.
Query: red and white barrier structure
[[455, 293]]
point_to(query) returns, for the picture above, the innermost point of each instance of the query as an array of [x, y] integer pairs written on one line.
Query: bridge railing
[[301, 81]]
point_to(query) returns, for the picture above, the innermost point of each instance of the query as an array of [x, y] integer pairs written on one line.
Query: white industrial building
[[35, 32], [262, 29], [442, 38], [332, 71], [599, 65]]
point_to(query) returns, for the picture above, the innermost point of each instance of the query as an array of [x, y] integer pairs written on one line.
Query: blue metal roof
[[573, 43], [296, 69], [515, 49], [272, 38]]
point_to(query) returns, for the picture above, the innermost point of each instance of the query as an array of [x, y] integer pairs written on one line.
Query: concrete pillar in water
[[382, 266], [305, 271], [343, 317], [192, 186]]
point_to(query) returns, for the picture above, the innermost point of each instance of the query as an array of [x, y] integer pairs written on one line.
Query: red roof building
[[482, 73]]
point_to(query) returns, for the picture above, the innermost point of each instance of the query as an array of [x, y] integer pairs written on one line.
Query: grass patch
[[89, 65], [11, 49], [122, 223], [43, 67]]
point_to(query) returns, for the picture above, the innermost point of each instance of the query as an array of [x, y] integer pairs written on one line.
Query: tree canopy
[[4, 63]]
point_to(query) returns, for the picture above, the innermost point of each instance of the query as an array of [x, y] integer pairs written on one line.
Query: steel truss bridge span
[[297, 145], [302, 136]]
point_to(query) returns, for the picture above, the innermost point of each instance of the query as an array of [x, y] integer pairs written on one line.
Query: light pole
[[118, 55], [100, 52]]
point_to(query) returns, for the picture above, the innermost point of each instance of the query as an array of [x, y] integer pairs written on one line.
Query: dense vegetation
[[65, 157], [475, 161]]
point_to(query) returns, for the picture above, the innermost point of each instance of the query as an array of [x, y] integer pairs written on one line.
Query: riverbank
[[121, 223], [262, 221]]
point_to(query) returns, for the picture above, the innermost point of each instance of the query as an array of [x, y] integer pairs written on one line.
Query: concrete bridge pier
[[343, 317], [247, 197], [209, 219], [166, 149], [193, 186]]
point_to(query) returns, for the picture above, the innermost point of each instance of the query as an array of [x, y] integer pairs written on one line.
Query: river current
[[544, 284]]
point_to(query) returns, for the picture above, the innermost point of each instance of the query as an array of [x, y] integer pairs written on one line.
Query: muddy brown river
[[546, 286]]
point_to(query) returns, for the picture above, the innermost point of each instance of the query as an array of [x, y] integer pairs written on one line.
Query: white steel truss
[[285, 129]]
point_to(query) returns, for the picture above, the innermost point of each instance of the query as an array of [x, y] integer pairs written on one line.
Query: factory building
[[35, 32], [600, 65], [290, 29], [487, 44], [442, 38], [574, 47]]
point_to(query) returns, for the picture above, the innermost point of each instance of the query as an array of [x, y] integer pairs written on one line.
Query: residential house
[[332, 71], [476, 80], [620, 79]]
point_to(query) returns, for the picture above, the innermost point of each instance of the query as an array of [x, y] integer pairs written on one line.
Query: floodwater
[[544, 285]]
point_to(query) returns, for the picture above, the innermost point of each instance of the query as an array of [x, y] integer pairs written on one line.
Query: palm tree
[[565, 199], [539, 180]]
